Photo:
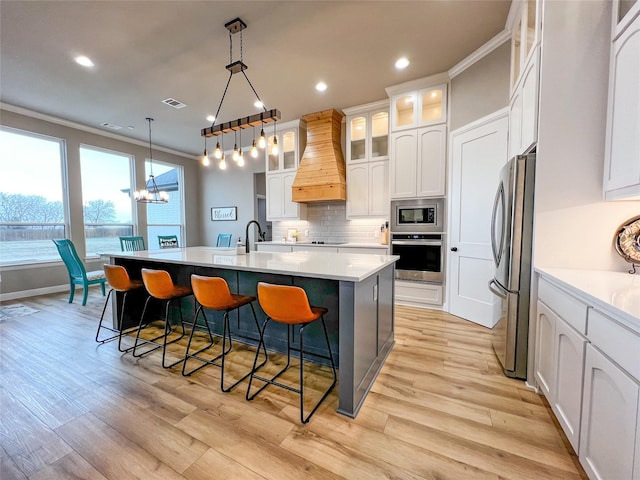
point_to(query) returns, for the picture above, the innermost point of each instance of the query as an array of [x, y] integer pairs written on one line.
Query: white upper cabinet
[[418, 162], [281, 167], [289, 137], [419, 108], [525, 74], [367, 132], [624, 11], [622, 148], [367, 160]]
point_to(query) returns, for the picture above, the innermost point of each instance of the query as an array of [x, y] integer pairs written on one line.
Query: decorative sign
[[224, 213]]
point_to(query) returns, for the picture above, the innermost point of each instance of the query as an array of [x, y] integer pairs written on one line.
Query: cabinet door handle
[[454, 249]]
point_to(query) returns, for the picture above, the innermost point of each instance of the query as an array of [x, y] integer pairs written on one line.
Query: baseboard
[[35, 292]]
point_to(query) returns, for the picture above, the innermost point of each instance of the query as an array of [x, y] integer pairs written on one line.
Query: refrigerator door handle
[[498, 201], [496, 290]]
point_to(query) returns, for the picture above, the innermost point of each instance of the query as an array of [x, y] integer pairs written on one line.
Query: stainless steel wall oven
[[417, 236]]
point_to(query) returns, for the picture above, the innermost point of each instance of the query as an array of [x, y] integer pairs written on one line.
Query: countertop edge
[[601, 298]]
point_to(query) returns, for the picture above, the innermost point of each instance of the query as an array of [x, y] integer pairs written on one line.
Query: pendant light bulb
[[217, 152], [235, 155], [205, 158], [241, 159], [262, 142], [254, 150], [274, 149], [223, 163]]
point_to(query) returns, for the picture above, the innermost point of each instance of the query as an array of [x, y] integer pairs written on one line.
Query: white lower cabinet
[[567, 402], [559, 368], [609, 417], [588, 366], [417, 294]]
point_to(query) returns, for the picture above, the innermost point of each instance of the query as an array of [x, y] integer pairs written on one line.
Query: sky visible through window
[[31, 165]]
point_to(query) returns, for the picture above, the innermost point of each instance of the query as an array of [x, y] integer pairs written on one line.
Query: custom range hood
[[321, 174]]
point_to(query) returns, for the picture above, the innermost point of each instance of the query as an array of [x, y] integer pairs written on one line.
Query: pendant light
[[152, 193], [265, 116], [205, 155]]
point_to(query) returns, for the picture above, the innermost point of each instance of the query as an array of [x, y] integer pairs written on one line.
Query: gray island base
[[356, 288]]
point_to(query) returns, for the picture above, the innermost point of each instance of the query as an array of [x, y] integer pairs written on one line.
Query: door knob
[[454, 249]]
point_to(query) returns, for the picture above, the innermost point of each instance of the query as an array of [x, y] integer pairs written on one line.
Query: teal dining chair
[[168, 241], [78, 274], [224, 240], [133, 243]]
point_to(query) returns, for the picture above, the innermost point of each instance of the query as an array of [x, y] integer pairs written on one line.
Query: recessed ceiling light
[[258, 104], [211, 118], [84, 61], [402, 63], [321, 86]]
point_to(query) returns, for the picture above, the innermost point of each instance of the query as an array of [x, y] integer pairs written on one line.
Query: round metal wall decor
[[627, 242]]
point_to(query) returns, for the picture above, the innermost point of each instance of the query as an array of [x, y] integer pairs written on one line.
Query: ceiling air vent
[[172, 102], [112, 126]]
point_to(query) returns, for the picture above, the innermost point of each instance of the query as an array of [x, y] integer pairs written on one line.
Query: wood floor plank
[[475, 454], [69, 466], [157, 436], [404, 455], [250, 449], [440, 409], [111, 453], [214, 464], [29, 442]]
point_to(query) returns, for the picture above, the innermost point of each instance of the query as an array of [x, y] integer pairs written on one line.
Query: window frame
[[66, 209]]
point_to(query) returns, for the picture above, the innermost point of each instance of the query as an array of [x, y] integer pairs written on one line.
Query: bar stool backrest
[[117, 277], [158, 283], [285, 303], [211, 292]]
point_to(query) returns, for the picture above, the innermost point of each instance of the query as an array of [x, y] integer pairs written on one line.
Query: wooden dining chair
[[132, 243], [78, 274], [224, 240], [168, 241]]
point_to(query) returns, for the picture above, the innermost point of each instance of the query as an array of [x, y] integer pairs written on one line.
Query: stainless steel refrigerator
[[511, 232]]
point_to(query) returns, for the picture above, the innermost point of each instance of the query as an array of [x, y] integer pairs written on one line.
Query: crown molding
[[480, 53], [84, 128]]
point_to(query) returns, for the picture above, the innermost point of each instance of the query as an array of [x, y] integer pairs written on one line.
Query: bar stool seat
[[118, 278], [160, 287], [213, 293], [289, 305]]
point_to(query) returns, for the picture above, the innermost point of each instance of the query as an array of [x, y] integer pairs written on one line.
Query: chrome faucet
[[246, 234]]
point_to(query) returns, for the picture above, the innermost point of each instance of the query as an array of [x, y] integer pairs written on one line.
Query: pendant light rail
[[242, 123]]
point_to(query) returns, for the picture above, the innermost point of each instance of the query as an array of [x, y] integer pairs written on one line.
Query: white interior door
[[478, 152]]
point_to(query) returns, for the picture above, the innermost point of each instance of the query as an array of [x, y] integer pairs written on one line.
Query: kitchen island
[[357, 289]]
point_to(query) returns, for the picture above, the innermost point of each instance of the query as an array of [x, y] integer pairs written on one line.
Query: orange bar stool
[[213, 293], [289, 305], [160, 287], [119, 280]]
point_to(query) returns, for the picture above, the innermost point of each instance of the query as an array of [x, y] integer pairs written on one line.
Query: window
[[32, 200], [107, 204], [166, 218]]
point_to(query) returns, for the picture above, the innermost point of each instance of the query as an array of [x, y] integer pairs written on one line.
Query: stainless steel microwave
[[418, 215]]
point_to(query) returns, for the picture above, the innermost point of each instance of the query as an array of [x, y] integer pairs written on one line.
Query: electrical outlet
[[306, 232], [375, 234]]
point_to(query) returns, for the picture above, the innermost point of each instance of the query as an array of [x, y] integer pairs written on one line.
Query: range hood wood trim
[[321, 175]]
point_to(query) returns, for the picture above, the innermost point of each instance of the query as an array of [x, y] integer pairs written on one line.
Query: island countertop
[[325, 265]]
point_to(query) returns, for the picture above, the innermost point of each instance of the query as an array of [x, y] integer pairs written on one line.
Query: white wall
[[232, 187], [573, 227]]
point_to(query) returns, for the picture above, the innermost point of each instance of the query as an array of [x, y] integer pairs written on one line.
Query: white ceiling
[[147, 51]]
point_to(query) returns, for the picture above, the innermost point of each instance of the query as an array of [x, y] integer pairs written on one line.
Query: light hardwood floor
[[440, 409]]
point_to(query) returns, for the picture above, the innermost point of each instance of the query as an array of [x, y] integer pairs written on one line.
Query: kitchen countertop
[[326, 265], [615, 292]]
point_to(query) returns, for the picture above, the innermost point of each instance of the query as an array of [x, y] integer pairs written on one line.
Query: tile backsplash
[[327, 222]]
